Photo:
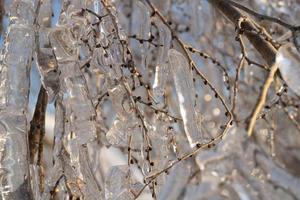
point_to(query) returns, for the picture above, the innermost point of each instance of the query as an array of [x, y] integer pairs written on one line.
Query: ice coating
[[185, 93], [144, 33], [46, 62], [77, 110], [162, 68], [14, 86]]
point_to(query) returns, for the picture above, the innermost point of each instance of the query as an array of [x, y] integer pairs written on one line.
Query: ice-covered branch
[[15, 66]]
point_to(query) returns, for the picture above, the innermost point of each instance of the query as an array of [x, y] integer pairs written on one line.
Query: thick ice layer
[[79, 108], [48, 70], [15, 65], [14, 82], [13, 153], [185, 90], [288, 59]]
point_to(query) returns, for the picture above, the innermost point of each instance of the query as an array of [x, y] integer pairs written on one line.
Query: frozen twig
[[262, 98], [240, 65]]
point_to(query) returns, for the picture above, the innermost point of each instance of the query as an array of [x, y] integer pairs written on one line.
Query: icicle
[[48, 71], [90, 184], [14, 85], [45, 13], [144, 29], [46, 62], [288, 59], [79, 115], [57, 170], [144, 33], [161, 69], [116, 50], [79, 109], [185, 93]]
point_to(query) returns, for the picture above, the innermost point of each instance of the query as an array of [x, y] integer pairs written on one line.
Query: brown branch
[[264, 47], [262, 99], [37, 132], [185, 49], [239, 67], [221, 67], [37, 124]]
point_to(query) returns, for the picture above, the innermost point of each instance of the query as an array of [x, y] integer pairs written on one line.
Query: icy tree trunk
[[14, 86]]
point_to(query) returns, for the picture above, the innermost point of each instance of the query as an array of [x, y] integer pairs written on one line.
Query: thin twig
[[240, 65], [262, 99], [214, 61], [264, 47]]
